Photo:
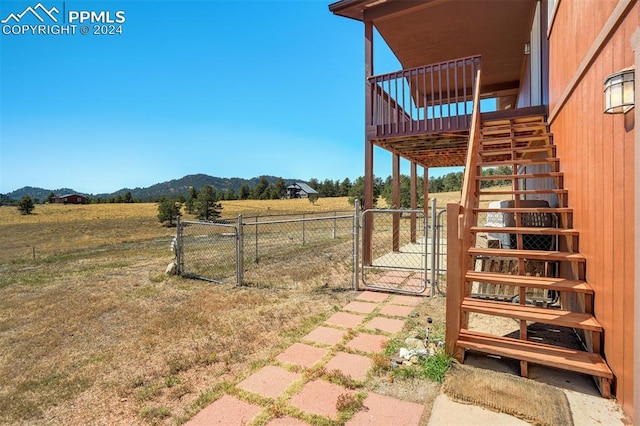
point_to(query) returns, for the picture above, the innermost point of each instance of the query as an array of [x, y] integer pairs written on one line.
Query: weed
[[348, 405], [435, 367], [171, 380], [155, 413]]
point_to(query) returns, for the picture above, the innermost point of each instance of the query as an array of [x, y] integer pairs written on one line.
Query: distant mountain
[[171, 188]]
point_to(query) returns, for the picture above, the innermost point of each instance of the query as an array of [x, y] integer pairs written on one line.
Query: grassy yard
[[93, 332]]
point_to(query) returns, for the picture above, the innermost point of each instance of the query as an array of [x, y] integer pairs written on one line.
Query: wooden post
[[455, 283], [368, 145], [395, 159], [413, 189]]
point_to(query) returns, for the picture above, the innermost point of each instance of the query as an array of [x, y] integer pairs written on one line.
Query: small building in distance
[[300, 190], [70, 199]]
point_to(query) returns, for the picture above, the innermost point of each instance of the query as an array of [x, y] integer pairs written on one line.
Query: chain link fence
[[275, 251]]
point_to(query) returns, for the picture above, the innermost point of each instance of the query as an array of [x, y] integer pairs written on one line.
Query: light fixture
[[527, 48], [619, 91]]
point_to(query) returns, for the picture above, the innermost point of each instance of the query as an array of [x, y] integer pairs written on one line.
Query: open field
[[93, 332]]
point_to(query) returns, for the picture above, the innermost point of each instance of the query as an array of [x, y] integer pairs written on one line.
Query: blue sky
[[226, 88]]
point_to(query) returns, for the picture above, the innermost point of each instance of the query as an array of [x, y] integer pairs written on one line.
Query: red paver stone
[[361, 307], [326, 335], [368, 342], [320, 397], [384, 410], [352, 365], [396, 310], [391, 278], [270, 381], [372, 296], [385, 324], [286, 421], [406, 300], [345, 319], [302, 355], [227, 410]]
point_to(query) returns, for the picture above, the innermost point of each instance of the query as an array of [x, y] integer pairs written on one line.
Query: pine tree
[[207, 205], [25, 205], [168, 210]]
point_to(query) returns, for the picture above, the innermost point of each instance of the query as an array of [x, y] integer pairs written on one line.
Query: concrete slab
[[344, 319], [269, 381], [352, 365], [325, 335], [227, 410], [388, 325], [385, 410], [360, 307], [364, 342], [445, 411], [303, 355], [320, 397]]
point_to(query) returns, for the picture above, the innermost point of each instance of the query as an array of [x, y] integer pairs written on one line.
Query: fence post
[[256, 258], [240, 251], [333, 235], [434, 281], [356, 245], [455, 282], [179, 259], [303, 222]]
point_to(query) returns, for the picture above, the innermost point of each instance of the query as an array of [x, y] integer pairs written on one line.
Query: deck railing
[[427, 99]]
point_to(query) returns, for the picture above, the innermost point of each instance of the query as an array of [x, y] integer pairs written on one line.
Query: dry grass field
[[93, 332]]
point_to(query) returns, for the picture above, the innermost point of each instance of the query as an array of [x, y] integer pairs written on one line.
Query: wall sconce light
[[527, 48], [619, 92]]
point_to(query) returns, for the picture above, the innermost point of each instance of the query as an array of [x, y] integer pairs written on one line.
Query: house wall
[[596, 152]]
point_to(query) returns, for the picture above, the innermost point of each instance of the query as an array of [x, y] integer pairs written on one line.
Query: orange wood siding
[[596, 153]]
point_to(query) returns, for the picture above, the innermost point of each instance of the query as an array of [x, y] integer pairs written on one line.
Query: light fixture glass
[[619, 92]]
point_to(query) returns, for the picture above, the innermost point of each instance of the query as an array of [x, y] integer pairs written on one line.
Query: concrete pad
[[303, 355], [365, 342], [445, 411], [352, 365], [372, 296], [286, 421], [406, 300], [320, 397], [227, 410], [385, 410], [396, 310], [385, 324], [270, 381], [360, 307], [344, 319], [326, 335]]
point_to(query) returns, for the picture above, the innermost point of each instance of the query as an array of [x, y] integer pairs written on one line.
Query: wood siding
[[596, 152]]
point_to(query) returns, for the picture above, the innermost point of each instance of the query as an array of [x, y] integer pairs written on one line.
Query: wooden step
[[525, 142], [523, 176], [498, 139], [537, 353], [519, 162], [523, 191], [551, 256], [529, 230], [523, 210], [548, 283], [505, 127], [550, 316], [517, 151]]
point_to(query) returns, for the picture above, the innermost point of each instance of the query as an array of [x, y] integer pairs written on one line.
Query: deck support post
[[368, 145], [395, 159], [413, 189]]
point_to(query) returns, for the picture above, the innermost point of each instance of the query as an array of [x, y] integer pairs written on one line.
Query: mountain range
[[170, 188]]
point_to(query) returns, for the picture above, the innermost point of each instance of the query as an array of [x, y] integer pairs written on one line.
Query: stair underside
[[525, 230], [550, 256], [537, 353]]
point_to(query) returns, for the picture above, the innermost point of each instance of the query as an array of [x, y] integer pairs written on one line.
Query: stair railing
[[460, 219]]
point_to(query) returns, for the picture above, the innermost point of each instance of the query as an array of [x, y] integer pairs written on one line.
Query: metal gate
[[208, 250], [398, 255]]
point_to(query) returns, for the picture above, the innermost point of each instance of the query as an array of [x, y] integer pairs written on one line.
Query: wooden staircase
[[517, 144]]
